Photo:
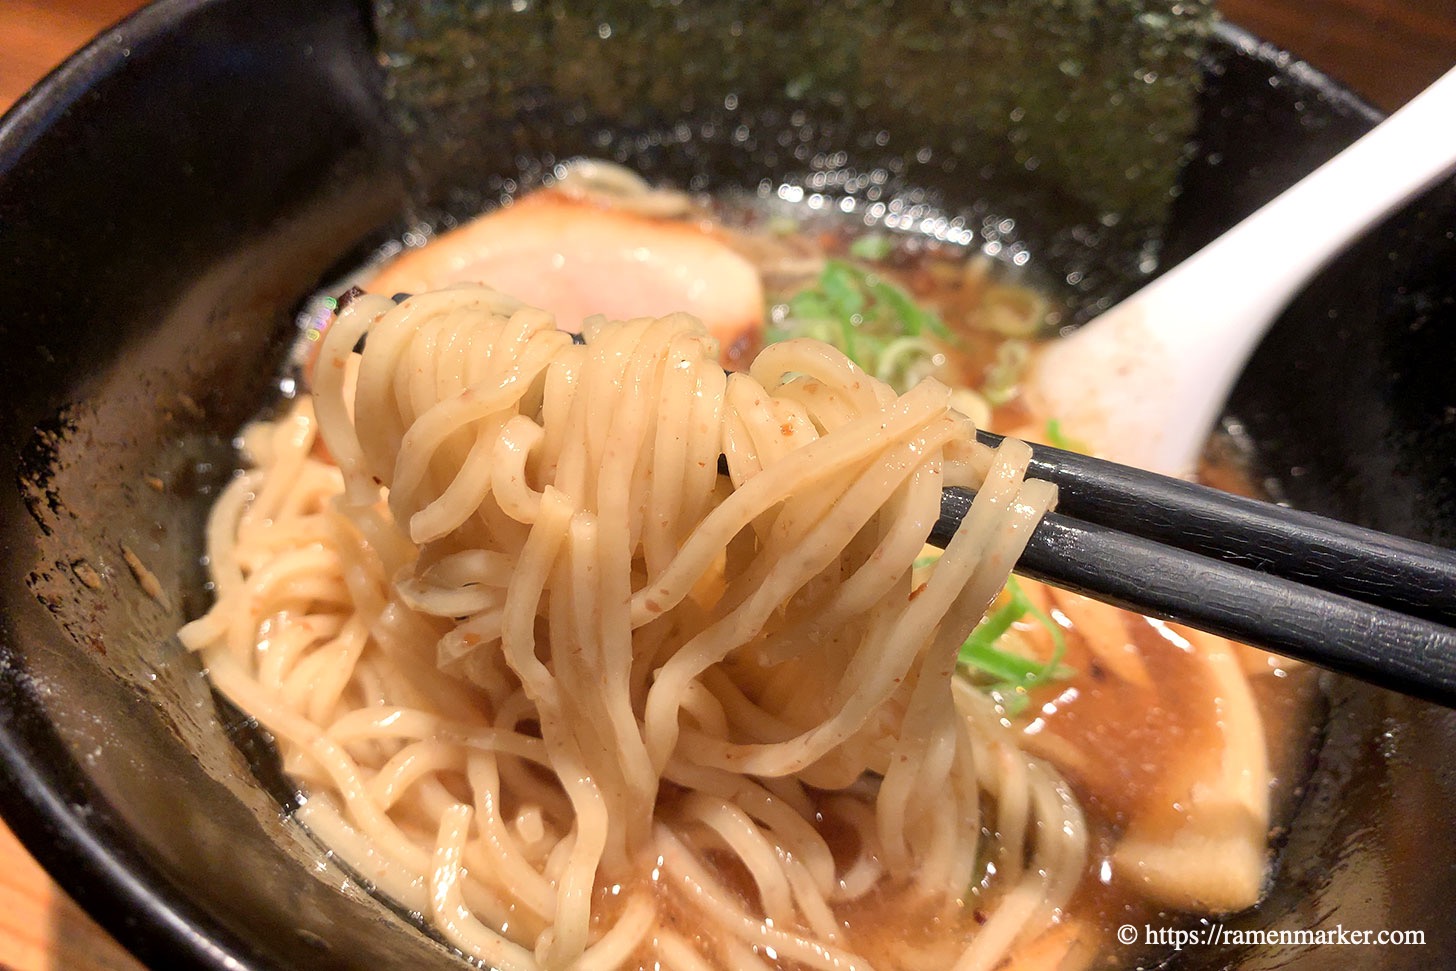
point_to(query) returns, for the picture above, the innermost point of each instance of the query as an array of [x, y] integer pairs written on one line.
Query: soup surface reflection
[[1180, 751]]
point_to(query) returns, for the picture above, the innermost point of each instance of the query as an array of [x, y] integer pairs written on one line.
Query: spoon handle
[[1143, 383]]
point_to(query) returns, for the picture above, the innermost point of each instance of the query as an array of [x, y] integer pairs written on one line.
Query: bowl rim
[[123, 893], [128, 897], [34, 112]]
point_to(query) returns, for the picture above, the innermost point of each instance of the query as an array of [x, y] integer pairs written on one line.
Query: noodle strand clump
[[552, 679]]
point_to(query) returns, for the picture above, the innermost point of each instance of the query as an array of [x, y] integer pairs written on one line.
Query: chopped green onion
[[900, 356], [1058, 439], [840, 283], [1007, 675], [809, 305], [1004, 375], [871, 246], [916, 319], [868, 318]]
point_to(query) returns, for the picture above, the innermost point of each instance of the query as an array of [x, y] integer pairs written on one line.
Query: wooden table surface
[[1385, 49]]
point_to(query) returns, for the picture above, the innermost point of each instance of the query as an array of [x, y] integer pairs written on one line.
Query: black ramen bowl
[[170, 196]]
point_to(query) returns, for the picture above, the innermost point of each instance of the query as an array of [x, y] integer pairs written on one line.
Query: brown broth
[[1136, 742], [1142, 745]]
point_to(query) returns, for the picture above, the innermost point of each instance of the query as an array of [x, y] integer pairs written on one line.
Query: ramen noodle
[[598, 656]]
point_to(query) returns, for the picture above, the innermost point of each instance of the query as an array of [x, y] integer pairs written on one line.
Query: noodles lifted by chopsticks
[[550, 679]]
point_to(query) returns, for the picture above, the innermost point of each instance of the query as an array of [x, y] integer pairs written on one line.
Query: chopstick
[[1349, 599], [1183, 552], [1365, 564]]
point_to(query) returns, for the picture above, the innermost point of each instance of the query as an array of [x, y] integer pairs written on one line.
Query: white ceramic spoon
[[1144, 382]]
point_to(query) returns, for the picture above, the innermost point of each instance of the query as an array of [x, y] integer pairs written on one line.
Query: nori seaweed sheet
[[1070, 118]]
